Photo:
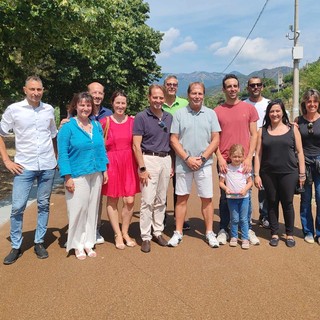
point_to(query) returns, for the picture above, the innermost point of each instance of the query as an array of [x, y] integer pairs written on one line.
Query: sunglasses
[[310, 128], [253, 85], [162, 125], [170, 84]]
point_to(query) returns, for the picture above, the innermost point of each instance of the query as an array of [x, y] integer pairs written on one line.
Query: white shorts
[[203, 181]]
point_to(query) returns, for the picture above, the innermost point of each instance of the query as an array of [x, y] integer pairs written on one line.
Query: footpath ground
[[191, 281]]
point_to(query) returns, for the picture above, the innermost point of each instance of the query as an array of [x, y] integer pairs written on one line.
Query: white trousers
[[83, 206], [153, 196]]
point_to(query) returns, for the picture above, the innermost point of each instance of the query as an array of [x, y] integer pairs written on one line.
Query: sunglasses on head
[[310, 128], [253, 85]]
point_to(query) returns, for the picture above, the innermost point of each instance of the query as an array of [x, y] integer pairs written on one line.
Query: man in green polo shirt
[[171, 105], [172, 101]]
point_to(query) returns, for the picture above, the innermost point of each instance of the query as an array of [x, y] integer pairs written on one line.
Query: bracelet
[[302, 174], [4, 161], [186, 159], [302, 178]]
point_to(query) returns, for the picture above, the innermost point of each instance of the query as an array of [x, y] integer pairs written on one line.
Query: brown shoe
[[145, 247], [160, 241]]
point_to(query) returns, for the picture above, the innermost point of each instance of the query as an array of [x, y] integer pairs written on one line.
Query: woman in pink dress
[[122, 169]]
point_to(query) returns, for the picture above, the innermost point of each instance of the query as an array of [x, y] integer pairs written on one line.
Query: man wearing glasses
[[194, 138], [151, 134], [255, 88], [172, 104]]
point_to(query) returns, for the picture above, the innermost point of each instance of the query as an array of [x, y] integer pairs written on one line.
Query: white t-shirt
[[235, 180], [34, 129], [261, 107]]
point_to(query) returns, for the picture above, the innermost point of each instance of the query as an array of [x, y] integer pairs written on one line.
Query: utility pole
[[297, 55]]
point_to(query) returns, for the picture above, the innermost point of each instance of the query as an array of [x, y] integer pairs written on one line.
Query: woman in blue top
[[83, 163]]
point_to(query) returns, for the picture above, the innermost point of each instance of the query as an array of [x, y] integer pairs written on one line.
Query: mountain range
[[213, 80]]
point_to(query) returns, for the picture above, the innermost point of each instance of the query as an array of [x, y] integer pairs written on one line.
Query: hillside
[[213, 80]]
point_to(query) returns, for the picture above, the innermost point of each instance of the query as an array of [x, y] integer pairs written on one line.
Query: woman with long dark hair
[[276, 168]]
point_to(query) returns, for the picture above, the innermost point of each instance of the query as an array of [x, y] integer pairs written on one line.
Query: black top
[[278, 153], [310, 134]]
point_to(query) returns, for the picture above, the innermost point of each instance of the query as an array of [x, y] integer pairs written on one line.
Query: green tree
[[70, 43]]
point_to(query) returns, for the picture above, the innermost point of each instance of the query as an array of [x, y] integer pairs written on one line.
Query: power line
[[260, 14]]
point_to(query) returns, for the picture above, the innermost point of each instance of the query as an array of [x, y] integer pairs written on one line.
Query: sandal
[[119, 245], [90, 252], [80, 254], [129, 241]]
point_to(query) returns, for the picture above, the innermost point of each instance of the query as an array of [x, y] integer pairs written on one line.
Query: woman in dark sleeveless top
[[309, 127], [276, 164]]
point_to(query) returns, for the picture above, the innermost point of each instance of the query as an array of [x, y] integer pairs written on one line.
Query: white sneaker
[[175, 239], [222, 236], [253, 238], [99, 238], [309, 238], [212, 240]]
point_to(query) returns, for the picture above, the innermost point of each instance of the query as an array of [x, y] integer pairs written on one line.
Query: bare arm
[[143, 176], [213, 146], [248, 186], [194, 163], [13, 167], [222, 163], [299, 149], [247, 163], [257, 161]]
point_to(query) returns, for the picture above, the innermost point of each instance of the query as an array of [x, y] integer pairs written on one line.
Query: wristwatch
[[203, 159], [142, 169]]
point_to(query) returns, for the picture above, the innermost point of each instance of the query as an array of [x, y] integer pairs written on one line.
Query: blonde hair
[[234, 148]]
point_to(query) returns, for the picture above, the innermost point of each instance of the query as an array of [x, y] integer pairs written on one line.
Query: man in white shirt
[[255, 88], [33, 124]]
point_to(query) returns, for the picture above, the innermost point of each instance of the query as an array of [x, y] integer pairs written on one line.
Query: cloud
[[257, 50], [214, 46], [170, 36], [172, 43], [190, 46]]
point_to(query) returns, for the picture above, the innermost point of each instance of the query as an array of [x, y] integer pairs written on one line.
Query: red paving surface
[[191, 281]]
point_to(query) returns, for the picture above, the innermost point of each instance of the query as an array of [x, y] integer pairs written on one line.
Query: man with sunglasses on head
[[172, 104], [194, 138], [151, 134], [255, 88]]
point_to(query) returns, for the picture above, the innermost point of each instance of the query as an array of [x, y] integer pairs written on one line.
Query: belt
[[157, 154]]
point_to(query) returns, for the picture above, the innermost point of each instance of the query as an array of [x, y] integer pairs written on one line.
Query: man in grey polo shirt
[[194, 138], [151, 134]]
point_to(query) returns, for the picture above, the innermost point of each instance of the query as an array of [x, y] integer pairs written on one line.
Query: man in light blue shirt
[[194, 138]]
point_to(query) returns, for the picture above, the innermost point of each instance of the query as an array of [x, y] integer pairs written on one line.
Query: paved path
[[191, 281]]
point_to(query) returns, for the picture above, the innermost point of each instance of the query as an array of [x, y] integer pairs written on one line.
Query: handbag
[[106, 128]]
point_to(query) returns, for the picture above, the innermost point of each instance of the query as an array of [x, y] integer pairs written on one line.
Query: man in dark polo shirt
[[151, 135]]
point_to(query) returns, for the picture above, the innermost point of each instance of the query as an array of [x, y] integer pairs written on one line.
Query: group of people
[[101, 152]]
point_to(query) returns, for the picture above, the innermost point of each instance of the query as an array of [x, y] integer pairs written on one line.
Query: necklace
[[87, 128]]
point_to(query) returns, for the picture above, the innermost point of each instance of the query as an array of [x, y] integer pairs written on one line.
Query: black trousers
[[280, 188]]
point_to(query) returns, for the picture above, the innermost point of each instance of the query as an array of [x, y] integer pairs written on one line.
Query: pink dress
[[123, 180]]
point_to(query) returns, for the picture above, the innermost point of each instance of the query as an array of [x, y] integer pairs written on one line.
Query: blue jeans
[[239, 214], [22, 185], [307, 221]]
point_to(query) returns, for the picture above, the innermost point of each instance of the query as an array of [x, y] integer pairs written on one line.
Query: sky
[[205, 35]]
